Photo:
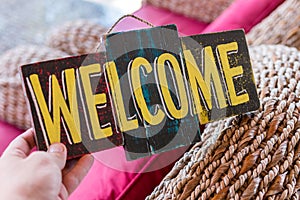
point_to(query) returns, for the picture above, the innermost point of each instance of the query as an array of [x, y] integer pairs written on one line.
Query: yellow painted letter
[[93, 99], [211, 75], [125, 124], [138, 92], [230, 73], [71, 116], [197, 81], [163, 83]]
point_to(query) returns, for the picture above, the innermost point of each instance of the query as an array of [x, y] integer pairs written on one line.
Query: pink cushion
[[113, 177], [243, 14], [7, 134], [158, 17]]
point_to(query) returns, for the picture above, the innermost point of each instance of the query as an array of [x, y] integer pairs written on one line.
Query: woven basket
[[203, 10], [13, 107], [281, 27], [76, 37], [256, 155]]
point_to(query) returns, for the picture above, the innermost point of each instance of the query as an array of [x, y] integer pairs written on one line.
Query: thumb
[[58, 153]]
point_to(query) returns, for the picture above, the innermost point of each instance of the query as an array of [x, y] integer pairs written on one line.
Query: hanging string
[[117, 22], [125, 16]]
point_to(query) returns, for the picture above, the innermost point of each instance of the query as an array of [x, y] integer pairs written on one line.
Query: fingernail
[[56, 148]]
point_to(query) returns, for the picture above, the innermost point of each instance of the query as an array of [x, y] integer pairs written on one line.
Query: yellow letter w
[[70, 115]]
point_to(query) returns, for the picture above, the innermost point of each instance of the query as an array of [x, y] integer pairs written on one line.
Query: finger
[[21, 145], [70, 165], [72, 179], [63, 194], [58, 153]]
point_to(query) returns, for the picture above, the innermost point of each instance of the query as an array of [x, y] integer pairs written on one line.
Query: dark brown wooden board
[[237, 59], [151, 89], [98, 85], [151, 43]]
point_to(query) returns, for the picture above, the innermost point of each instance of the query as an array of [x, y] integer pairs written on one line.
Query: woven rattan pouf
[[255, 155], [281, 27], [13, 108], [76, 37]]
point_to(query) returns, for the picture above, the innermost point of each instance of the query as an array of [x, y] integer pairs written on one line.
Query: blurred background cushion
[[281, 27], [13, 107], [7, 133], [241, 14], [202, 10], [76, 37]]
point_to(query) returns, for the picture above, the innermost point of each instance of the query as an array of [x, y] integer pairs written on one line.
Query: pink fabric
[[243, 14], [105, 182], [7, 134], [158, 17], [113, 177]]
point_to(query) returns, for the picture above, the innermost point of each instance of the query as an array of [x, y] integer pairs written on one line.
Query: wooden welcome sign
[[149, 92]]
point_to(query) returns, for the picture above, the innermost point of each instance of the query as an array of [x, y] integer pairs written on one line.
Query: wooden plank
[[46, 73], [228, 53], [169, 133]]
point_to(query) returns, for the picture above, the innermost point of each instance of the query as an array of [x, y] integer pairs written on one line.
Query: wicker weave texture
[[76, 37], [13, 107], [281, 27], [256, 155], [203, 10]]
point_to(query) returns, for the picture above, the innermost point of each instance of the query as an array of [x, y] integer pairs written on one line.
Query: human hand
[[39, 175]]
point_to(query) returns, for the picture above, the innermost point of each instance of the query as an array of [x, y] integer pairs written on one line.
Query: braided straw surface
[[256, 155], [76, 37], [203, 10], [282, 26], [13, 107]]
